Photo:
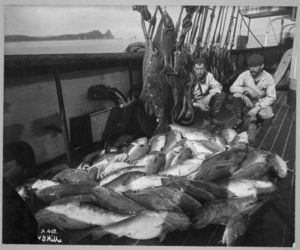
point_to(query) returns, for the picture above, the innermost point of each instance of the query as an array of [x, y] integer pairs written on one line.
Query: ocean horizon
[[116, 45]]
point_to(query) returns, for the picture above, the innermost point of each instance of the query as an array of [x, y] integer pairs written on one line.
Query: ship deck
[[276, 227]]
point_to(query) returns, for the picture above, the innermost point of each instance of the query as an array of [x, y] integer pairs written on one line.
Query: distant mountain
[[95, 34]]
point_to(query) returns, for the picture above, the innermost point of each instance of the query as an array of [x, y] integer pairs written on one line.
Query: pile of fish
[[185, 178]]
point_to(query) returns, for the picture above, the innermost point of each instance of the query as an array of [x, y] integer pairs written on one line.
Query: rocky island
[[95, 34]]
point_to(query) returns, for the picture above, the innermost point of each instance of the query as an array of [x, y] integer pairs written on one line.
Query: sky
[[123, 22]]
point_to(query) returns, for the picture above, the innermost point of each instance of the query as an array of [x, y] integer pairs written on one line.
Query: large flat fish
[[191, 133], [143, 226], [220, 211], [125, 179], [73, 214], [116, 202]]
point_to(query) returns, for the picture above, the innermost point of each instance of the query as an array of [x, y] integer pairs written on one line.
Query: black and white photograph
[[149, 124]]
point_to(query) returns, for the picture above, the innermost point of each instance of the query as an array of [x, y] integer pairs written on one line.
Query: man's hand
[[254, 111]]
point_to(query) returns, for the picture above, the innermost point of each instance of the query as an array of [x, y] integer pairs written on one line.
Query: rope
[[236, 22], [217, 24], [250, 29], [221, 24], [223, 28]]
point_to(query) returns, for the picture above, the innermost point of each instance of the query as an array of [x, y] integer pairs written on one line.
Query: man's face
[[255, 70], [200, 70]]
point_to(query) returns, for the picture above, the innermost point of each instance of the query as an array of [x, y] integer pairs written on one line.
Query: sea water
[[87, 46]]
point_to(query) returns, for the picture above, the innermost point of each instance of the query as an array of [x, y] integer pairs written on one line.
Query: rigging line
[[219, 34], [223, 28], [217, 24], [228, 34], [212, 16], [249, 28], [201, 32], [235, 25]]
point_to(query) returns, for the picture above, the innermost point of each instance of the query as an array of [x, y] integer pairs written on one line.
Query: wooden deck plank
[[270, 133], [283, 133]]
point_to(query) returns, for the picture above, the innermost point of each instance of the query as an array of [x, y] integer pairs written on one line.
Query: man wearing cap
[[253, 94], [207, 92]]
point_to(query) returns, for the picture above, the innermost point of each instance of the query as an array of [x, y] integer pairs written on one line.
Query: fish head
[[233, 233], [203, 217], [167, 20]]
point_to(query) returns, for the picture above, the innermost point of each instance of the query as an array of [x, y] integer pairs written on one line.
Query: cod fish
[[255, 171], [137, 149], [112, 167], [116, 202], [52, 193], [245, 187], [153, 162], [215, 191], [186, 167], [255, 156], [214, 171], [278, 165], [157, 142], [74, 176], [143, 226], [229, 134], [240, 140], [177, 155], [120, 182], [173, 136], [240, 222], [143, 183], [192, 133], [220, 211], [187, 203], [153, 201], [203, 146], [73, 214], [116, 174]]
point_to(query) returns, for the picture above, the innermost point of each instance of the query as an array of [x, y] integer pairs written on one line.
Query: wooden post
[[63, 116]]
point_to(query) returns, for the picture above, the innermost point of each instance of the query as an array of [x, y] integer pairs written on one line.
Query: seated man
[[207, 92], [253, 93]]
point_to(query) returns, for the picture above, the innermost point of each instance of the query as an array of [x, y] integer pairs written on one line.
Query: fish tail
[[98, 233]]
